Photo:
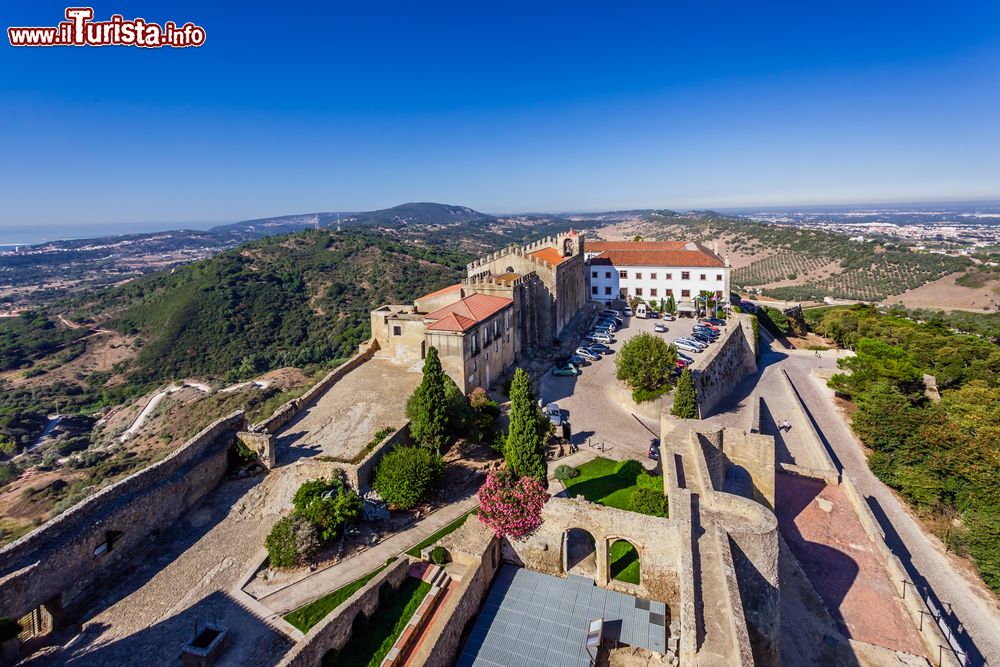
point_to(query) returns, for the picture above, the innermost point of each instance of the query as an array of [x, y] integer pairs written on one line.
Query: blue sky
[[541, 106]]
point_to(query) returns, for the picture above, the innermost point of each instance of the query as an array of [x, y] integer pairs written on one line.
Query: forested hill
[[285, 300]]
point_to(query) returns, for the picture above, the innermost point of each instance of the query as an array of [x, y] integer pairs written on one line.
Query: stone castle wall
[[719, 370], [654, 538], [57, 563], [334, 631]]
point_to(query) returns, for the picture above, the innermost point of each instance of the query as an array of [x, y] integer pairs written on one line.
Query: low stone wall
[[622, 395], [57, 563], [919, 613], [718, 371], [360, 475], [334, 631], [741, 652], [820, 459], [289, 410], [261, 444], [474, 548]]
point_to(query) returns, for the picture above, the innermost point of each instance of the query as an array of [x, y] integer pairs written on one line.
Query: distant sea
[[17, 234]]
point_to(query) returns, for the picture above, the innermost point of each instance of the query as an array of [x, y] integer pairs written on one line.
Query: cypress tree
[[427, 408], [685, 400], [525, 450]]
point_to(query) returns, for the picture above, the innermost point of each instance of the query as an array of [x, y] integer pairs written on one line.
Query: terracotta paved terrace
[[840, 560]]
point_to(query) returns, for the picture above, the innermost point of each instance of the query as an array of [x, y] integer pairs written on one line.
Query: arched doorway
[[580, 553], [623, 562]]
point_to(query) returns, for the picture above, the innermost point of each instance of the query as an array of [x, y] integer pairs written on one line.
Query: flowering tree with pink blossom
[[510, 505]]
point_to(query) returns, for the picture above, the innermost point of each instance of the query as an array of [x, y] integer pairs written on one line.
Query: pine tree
[[427, 408], [525, 450], [685, 400]]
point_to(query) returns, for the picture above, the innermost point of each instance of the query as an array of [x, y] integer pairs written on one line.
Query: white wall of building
[[652, 283]]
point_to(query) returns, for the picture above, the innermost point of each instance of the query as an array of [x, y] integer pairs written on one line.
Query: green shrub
[[564, 472], [407, 475], [292, 541], [644, 395], [439, 556], [648, 501], [485, 412]]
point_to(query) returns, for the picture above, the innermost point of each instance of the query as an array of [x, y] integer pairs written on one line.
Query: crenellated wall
[[56, 564]]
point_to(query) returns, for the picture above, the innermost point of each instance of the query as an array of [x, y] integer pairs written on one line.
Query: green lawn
[[450, 528], [603, 482], [384, 627], [305, 617], [624, 562]]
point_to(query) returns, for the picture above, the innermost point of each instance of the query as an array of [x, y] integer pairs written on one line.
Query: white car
[[554, 413], [692, 341], [628, 312], [659, 327]]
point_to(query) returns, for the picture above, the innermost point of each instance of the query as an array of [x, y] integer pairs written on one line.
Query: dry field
[[944, 294]]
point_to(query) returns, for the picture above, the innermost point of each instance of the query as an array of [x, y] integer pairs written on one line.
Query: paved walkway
[[326, 581], [923, 555], [828, 540]]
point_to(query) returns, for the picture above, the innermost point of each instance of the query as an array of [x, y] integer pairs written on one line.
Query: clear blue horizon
[[570, 106]]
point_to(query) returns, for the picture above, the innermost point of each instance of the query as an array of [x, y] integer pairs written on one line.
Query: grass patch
[[450, 528], [611, 483], [306, 617], [624, 562], [385, 626]]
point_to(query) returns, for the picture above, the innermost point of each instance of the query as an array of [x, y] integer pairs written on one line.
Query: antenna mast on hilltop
[[338, 222]]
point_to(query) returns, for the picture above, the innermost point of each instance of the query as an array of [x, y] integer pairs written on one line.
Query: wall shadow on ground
[[831, 571]]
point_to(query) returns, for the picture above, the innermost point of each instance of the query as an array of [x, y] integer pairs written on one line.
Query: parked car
[[686, 346], [719, 322], [615, 320], [578, 361], [684, 357], [554, 413], [627, 312], [700, 344], [564, 369], [654, 453], [668, 317], [697, 335], [706, 333], [708, 325], [599, 337], [606, 324], [653, 314], [599, 348], [660, 327], [587, 353], [680, 363], [611, 311]]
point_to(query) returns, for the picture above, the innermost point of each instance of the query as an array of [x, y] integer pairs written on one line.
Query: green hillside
[[292, 300]]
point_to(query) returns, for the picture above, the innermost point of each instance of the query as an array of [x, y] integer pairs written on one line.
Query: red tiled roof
[[466, 313], [653, 253], [445, 290], [550, 255]]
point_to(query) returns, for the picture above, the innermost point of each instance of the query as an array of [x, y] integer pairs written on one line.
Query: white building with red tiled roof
[[655, 271]]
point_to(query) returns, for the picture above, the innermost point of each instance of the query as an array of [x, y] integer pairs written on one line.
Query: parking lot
[[590, 401]]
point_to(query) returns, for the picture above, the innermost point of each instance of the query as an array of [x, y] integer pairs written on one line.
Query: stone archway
[[580, 553], [623, 561]]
